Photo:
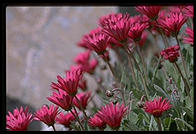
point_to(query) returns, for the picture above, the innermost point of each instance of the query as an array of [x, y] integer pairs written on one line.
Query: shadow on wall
[[11, 104]]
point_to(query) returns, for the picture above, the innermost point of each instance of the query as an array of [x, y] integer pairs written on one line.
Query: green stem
[[81, 107], [187, 89], [132, 70], [77, 117], [141, 74], [53, 127], [183, 61], [143, 64], [158, 120]]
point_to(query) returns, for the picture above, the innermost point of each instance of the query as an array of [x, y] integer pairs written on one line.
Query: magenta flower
[[65, 119], [47, 114], [190, 38], [143, 38], [19, 120], [95, 121], [83, 60], [116, 26], [61, 99], [83, 98], [98, 42], [157, 107], [112, 114], [136, 30], [150, 11], [188, 11], [70, 83], [172, 23], [171, 53], [83, 84]]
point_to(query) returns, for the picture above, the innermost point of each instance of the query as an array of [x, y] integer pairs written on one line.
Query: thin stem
[[164, 40], [155, 71], [53, 127], [158, 120], [132, 70], [143, 81], [185, 82], [143, 64], [77, 118], [183, 61], [81, 107]]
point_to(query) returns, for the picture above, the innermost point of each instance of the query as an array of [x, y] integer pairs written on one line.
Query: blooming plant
[[149, 84]]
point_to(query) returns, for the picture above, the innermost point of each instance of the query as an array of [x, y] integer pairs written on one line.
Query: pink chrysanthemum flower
[[150, 11], [136, 30], [98, 42], [70, 83], [83, 98], [112, 114], [172, 23], [157, 107], [190, 38], [47, 114], [95, 121], [116, 26], [61, 99], [65, 119], [188, 11], [19, 120], [83, 84], [83, 60], [171, 53]]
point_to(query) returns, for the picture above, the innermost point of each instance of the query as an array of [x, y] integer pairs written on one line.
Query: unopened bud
[[140, 104], [109, 93], [170, 80]]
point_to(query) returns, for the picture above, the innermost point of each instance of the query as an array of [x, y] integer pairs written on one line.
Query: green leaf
[[167, 123], [159, 89], [180, 122]]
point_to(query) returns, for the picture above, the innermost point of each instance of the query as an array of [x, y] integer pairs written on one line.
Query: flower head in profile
[[172, 23], [70, 83], [97, 41], [95, 121], [171, 53], [83, 98], [190, 38], [112, 114], [19, 120], [83, 60], [150, 11], [65, 119], [47, 114], [61, 99], [157, 106], [136, 30], [116, 26]]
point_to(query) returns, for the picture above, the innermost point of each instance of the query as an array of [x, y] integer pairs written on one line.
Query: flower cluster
[[125, 35], [171, 53]]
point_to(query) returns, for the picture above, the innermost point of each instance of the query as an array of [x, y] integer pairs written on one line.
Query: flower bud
[[109, 93], [140, 104]]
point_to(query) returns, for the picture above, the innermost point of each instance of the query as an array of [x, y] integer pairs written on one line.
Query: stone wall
[[41, 44]]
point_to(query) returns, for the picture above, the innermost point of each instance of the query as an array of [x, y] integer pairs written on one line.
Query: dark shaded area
[[11, 104], [130, 10]]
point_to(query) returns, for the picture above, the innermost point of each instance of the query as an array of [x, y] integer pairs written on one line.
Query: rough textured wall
[[41, 43]]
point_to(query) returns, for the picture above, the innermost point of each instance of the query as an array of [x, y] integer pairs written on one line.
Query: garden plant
[[143, 69]]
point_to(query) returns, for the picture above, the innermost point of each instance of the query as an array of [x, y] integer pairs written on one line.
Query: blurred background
[[41, 44]]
